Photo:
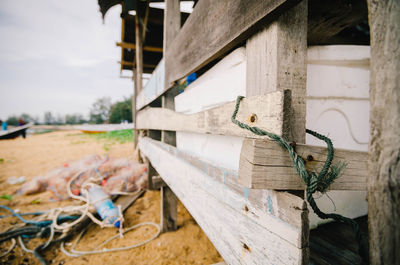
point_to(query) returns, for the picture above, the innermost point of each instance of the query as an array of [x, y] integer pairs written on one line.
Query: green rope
[[314, 182]]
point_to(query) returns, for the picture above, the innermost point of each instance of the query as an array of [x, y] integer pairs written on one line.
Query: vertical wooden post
[[139, 50], [134, 97], [138, 65], [277, 61], [172, 23], [383, 182]]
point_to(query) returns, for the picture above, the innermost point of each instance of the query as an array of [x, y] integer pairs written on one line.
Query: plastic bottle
[[104, 206]]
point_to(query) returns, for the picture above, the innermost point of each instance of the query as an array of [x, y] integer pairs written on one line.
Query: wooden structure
[[250, 215]]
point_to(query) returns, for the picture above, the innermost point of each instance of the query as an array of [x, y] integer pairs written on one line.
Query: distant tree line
[[102, 111]]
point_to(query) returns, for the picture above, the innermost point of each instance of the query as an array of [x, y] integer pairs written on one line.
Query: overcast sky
[[58, 56]]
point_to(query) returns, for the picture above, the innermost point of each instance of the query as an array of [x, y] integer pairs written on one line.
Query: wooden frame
[[263, 225], [275, 62]]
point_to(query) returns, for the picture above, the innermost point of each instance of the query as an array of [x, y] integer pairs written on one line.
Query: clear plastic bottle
[[104, 206]]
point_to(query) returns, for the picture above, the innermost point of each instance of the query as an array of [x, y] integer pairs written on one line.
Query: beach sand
[[37, 154]]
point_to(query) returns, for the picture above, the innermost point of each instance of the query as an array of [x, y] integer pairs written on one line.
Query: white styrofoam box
[[217, 149], [337, 105], [222, 83]]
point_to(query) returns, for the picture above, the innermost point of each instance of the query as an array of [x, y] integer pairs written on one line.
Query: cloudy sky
[[58, 56]]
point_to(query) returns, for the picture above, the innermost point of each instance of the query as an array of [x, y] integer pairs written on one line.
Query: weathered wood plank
[[256, 230], [258, 204], [172, 21], [169, 206], [266, 165], [132, 46], [154, 87], [210, 32], [169, 202], [383, 183], [276, 61], [266, 112]]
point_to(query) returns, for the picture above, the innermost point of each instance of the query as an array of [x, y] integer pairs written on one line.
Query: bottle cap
[[117, 224]]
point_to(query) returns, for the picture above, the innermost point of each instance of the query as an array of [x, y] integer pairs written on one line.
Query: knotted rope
[[314, 182]]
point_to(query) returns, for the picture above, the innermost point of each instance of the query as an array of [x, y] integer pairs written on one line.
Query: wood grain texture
[[154, 87], [383, 181], [132, 46], [276, 61], [172, 22], [215, 27], [257, 230], [169, 206], [268, 110], [266, 165]]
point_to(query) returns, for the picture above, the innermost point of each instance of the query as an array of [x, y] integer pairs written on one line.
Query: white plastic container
[[337, 106], [104, 206]]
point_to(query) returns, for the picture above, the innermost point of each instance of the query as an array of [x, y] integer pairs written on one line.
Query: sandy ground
[[37, 154]]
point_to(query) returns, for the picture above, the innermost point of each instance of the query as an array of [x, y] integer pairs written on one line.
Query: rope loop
[[314, 182]]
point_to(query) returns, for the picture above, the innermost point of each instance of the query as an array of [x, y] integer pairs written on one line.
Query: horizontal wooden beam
[[265, 112], [132, 46], [266, 165], [265, 225], [132, 64], [210, 32]]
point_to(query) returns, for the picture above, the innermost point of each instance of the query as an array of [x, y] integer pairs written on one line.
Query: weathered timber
[[172, 22], [276, 60], [264, 111], [154, 87], [266, 225], [383, 182], [264, 164], [139, 50], [169, 202], [132, 46], [169, 206], [210, 32], [325, 19], [132, 64]]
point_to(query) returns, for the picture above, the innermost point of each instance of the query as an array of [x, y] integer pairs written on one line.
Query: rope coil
[[314, 182]]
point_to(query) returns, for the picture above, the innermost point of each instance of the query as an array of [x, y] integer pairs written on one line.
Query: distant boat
[[102, 128], [15, 132]]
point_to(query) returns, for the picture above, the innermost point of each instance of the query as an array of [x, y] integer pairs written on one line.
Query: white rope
[[84, 211], [77, 253], [13, 243]]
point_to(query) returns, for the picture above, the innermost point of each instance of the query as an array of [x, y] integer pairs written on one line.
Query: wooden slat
[[276, 60], [154, 87], [266, 165], [246, 226], [215, 27], [132, 64], [268, 110], [132, 46]]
